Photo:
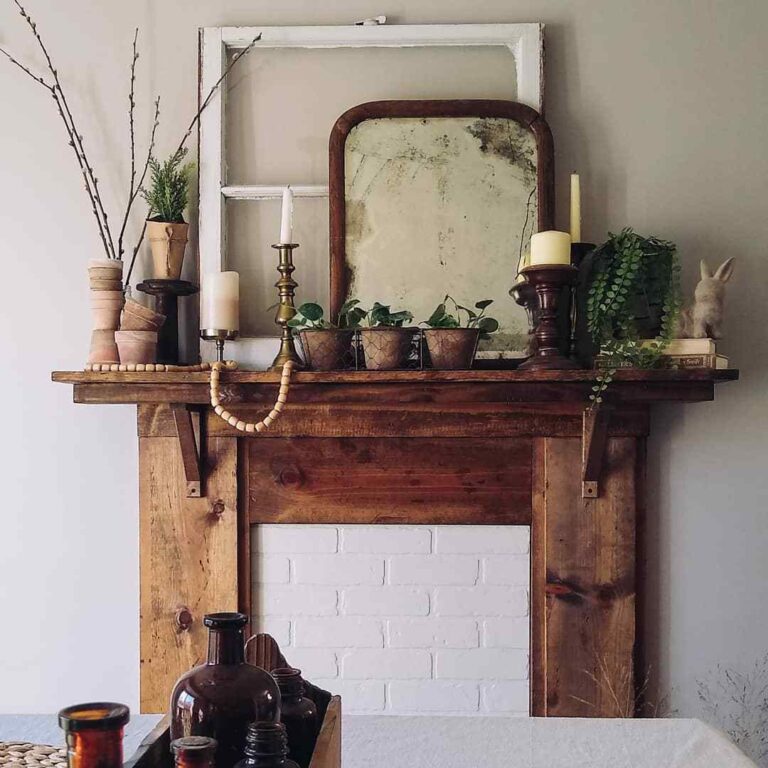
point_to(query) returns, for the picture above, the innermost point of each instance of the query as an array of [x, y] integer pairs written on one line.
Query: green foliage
[[380, 315], [310, 315], [442, 318], [624, 267], [168, 192]]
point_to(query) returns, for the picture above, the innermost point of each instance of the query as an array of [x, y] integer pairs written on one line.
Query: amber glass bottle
[[298, 714], [223, 696], [194, 752], [94, 734], [266, 746]]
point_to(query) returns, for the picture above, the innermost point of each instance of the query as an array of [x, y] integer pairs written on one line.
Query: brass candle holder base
[[219, 336], [286, 287]]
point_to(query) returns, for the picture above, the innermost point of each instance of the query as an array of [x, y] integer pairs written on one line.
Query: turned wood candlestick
[[548, 280], [166, 294]]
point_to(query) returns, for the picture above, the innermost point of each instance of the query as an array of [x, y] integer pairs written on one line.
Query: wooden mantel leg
[[583, 584], [188, 551]]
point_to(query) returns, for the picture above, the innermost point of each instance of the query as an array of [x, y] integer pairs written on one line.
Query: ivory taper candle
[[286, 218], [575, 208], [550, 248], [220, 310]]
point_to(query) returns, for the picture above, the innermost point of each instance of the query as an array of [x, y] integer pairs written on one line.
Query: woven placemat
[[22, 754]]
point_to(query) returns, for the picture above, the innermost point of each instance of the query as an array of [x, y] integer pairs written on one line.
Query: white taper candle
[[286, 219]]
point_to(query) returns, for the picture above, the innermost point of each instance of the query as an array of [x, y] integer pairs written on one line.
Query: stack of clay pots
[[106, 280], [137, 337]]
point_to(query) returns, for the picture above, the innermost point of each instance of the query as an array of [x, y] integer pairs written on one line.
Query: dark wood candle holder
[[549, 280], [166, 294]]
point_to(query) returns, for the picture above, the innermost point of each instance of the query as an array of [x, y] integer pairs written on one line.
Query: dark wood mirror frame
[[526, 116]]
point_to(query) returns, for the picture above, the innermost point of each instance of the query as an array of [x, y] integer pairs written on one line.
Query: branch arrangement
[[113, 247]]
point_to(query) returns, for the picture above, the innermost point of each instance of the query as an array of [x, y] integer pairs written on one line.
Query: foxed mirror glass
[[431, 198]]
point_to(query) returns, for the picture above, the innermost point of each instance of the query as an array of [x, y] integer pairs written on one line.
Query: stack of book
[[684, 353]]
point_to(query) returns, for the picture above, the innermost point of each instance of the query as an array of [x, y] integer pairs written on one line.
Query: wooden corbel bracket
[[190, 454], [594, 437]]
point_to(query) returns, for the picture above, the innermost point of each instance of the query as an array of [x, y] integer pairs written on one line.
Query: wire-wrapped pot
[[328, 349], [452, 348], [387, 348]]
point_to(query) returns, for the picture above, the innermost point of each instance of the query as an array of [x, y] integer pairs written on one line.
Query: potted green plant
[[326, 344], [454, 331], [386, 343], [167, 197]]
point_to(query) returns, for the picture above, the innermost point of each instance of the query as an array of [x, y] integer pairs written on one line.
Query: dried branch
[[136, 252], [21, 66], [132, 130]]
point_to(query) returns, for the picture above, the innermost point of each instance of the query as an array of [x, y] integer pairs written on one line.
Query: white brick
[[433, 569], [485, 539], [384, 601], [338, 570], [506, 633], [387, 664], [271, 569], [314, 662], [432, 696], [481, 664], [506, 569], [280, 629], [432, 633], [276, 539], [385, 539], [481, 601], [338, 632], [295, 601], [356, 695], [508, 697]]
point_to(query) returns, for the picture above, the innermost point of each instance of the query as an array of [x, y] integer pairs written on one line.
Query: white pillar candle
[[220, 305], [575, 208], [550, 248], [286, 219]]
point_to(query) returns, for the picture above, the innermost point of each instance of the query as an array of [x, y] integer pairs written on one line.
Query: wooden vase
[[167, 241]]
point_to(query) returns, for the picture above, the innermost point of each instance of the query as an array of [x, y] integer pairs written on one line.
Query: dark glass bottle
[[94, 734], [223, 696], [266, 746], [194, 752], [298, 714]]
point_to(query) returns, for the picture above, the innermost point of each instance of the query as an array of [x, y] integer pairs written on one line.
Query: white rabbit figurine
[[705, 317]]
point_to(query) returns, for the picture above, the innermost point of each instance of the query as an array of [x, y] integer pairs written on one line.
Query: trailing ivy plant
[[380, 315], [168, 191], [463, 317], [628, 268], [309, 316]]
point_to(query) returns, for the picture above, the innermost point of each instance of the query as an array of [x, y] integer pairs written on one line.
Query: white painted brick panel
[[280, 629], [417, 696], [506, 633], [357, 696], [506, 569], [271, 569], [433, 569], [508, 697], [387, 664], [291, 539], [290, 601], [338, 632], [481, 664], [338, 570], [480, 601], [314, 662], [432, 633], [385, 539], [384, 601], [489, 539]]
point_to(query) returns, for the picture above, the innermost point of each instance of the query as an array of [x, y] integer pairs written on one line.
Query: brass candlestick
[[286, 287], [219, 336]]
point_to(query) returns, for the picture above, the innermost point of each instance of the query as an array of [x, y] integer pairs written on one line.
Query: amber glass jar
[[223, 696], [194, 752], [298, 714], [94, 734], [266, 746]]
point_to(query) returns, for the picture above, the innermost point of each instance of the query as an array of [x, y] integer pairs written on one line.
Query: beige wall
[[661, 105]]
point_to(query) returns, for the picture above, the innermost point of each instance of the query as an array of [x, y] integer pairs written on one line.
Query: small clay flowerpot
[[105, 269], [103, 347], [136, 346], [386, 348], [327, 349], [167, 241], [103, 284], [105, 309], [137, 317], [452, 349]]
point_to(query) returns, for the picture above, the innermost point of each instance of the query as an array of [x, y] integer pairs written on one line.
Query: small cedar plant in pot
[[385, 341], [454, 331], [327, 345], [167, 198]]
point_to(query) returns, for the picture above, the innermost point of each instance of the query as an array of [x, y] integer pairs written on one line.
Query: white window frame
[[524, 41]]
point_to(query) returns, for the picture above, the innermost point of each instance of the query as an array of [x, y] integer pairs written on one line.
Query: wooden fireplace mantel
[[421, 447]]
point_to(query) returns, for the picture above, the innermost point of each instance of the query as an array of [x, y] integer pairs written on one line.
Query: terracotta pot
[[386, 348], [327, 349], [137, 346], [137, 317], [451, 348], [105, 309], [103, 347], [102, 284], [167, 242], [105, 269]]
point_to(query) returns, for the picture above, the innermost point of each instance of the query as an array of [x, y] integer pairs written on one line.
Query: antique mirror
[[429, 198]]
